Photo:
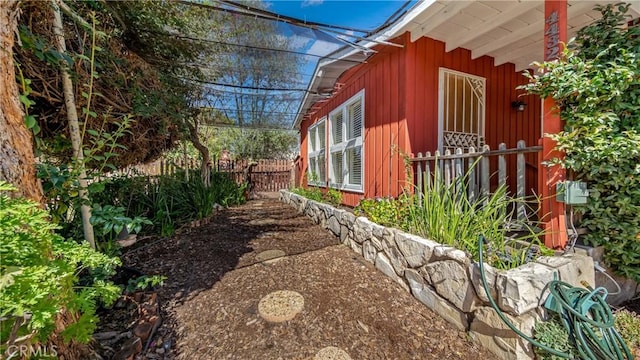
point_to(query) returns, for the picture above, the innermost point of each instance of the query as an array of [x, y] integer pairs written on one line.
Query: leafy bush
[[447, 216], [144, 282], [553, 334], [386, 211], [597, 88], [40, 274], [109, 221], [628, 325], [169, 201], [332, 196]]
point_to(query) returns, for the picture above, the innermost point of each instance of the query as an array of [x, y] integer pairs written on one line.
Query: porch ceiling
[[507, 30]]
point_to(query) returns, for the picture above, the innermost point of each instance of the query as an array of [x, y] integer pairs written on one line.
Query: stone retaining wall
[[447, 281]]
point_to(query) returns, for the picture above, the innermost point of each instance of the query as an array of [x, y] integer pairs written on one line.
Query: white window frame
[[441, 105], [345, 145], [318, 152]]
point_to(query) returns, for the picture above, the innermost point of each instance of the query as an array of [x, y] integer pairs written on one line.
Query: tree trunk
[[17, 163], [74, 127], [205, 167]]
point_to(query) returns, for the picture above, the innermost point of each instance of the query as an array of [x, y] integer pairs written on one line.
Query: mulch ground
[[209, 303]]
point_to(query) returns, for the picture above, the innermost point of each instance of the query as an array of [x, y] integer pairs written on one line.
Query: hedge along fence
[[447, 281]]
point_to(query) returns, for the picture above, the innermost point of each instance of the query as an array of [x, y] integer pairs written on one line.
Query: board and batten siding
[[384, 122], [503, 124], [401, 110]]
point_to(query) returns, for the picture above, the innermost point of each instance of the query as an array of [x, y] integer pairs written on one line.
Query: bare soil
[[209, 303]]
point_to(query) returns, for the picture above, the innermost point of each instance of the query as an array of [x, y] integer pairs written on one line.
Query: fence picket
[[474, 172], [472, 185], [485, 171], [521, 212], [419, 180], [502, 166], [447, 168]]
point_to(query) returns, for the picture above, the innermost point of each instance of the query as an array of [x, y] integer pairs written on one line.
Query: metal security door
[[461, 111]]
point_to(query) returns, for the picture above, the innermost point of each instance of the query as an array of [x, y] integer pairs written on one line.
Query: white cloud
[[306, 3]]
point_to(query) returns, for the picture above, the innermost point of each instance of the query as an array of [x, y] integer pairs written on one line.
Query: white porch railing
[[472, 169]]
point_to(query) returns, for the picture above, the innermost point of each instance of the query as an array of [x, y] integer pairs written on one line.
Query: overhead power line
[[268, 15], [227, 68], [246, 87], [265, 112], [248, 127], [185, 37]]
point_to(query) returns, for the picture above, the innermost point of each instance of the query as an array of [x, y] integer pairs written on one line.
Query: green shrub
[[311, 193], [386, 211], [449, 217], [628, 326], [334, 196], [108, 222], [331, 196], [597, 88], [40, 274], [169, 201], [553, 334]]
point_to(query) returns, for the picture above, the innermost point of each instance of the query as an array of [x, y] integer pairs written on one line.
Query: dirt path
[[216, 280]]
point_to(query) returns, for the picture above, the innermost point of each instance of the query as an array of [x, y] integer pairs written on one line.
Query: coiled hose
[[586, 317]]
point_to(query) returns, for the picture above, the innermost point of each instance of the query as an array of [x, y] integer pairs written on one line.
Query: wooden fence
[[265, 175], [473, 170]]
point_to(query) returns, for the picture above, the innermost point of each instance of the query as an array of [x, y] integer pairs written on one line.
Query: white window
[[346, 155], [316, 174], [461, 110]]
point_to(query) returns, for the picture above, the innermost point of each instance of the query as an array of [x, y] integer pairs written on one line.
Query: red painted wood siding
[[401, 109], [384, 120], [502, 123]]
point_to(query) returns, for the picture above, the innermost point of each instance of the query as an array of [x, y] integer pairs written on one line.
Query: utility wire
[[267, 112], [229, 94], [395, 16], [268, 15], [247, 87], [276, 17], [185, 37]]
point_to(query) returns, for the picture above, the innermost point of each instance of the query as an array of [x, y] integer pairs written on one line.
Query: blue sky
[[366, 15]]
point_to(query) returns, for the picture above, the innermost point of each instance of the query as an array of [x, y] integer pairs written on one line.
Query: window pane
[[321, 132], [336, 165], [354, 163], [322, 174], [312, 170], [354, 126], [336, 128], [312, 139]]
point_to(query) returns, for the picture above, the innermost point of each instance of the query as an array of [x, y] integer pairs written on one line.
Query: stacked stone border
[[446, 279]]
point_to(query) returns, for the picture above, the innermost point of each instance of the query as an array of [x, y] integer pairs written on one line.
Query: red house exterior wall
[[401, 109]]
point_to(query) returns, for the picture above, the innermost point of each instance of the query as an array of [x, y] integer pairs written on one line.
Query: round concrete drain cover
[[332, 353], [281, 305], [270, 256]]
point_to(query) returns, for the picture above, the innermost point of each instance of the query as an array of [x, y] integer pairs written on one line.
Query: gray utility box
[[572, 192]]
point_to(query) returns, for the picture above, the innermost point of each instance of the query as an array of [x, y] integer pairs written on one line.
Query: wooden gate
[[265, 175]]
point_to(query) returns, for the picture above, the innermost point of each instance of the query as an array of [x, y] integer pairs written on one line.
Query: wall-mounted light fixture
[[519, 105]]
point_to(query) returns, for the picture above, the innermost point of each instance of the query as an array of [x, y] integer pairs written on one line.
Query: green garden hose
[[584, 313]]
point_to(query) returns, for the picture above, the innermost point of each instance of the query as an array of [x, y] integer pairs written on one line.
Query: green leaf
[[30, 121]]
